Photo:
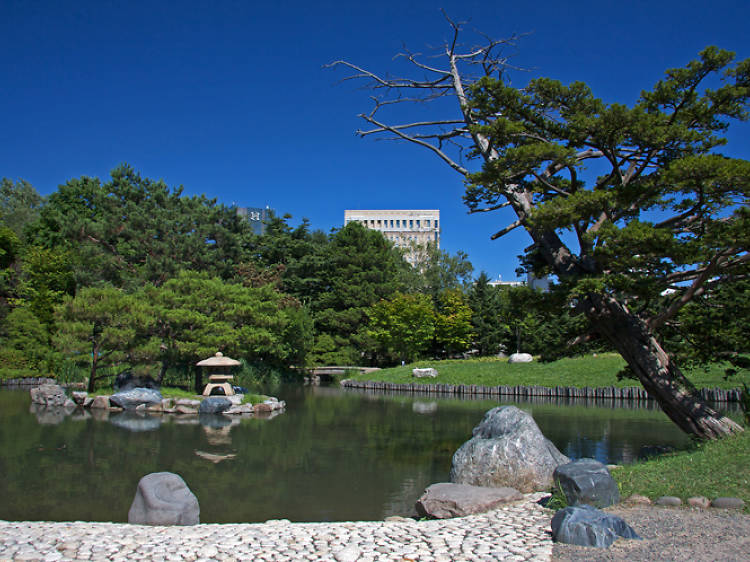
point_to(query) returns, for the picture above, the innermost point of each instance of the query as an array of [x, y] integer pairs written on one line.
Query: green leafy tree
[[454, 332], [133, 230], [667, 211], [19, 205], [25, 348], [47, 276], [403, 326], [538, 322], [715, 326], [362, 267], [10, 247], [100, 327], [299, 252], [195, 315], [435, 271], [486, 306]]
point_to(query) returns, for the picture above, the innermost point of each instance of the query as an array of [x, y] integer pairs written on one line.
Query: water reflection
[[333, 454], [135, 421]]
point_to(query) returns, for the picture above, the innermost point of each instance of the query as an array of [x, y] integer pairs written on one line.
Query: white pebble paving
[[518, 531]]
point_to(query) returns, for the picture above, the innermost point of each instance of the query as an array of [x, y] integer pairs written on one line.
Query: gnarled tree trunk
[[661, 378]]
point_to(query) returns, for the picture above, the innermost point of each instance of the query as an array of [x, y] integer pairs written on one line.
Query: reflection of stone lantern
[[219, 377]]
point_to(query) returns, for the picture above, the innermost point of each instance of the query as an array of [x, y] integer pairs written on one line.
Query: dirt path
[[680, 534]]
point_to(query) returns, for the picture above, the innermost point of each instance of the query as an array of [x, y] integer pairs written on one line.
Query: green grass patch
[[711, 469], [254, 399], [589, 371]]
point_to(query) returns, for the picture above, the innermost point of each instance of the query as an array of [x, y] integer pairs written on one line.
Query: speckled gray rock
[[163, 498], [446, 500], [428, 372], [507, 450], [586, 481], [214, 405], [587, 526], [50, 395], [728, 503], [131, 399], [668, 501]]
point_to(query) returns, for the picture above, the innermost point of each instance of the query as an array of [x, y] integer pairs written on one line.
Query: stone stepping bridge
[[515, 532]]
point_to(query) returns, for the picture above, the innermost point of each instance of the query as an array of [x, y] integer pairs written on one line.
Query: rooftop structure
[[411, 230], [256, 216], [538, 283]]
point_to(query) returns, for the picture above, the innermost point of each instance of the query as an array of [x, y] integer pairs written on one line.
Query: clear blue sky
[[230, 98]]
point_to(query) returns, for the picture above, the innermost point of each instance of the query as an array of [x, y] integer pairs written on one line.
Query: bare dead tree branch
[[488, 209], [507, 229]]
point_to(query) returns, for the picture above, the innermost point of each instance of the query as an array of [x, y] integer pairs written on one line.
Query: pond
[[333, 455]]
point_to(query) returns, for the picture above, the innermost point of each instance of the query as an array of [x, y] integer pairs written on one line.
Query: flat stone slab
[[517, 531], [446, 500]]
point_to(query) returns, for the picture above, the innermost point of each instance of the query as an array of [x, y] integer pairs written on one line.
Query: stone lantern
[[218, 368]]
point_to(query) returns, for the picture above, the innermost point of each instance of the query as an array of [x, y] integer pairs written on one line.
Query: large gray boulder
[[520, 358], [214, 405], [446, 500], [163, 498], [586, 481], [50, 395], [507, 449], [587, 526], [129, 381], [131, 399]]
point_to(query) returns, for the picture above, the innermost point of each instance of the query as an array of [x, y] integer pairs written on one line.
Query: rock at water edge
[[131, 399], [507, 450], [163, 498], [214, 405], [50, 395]]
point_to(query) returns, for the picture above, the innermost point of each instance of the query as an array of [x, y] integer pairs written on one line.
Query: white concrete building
[[408, 229]]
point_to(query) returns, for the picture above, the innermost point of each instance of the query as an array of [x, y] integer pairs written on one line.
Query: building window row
[[399, 223]]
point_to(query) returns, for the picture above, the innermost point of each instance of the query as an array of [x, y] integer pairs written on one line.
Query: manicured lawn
[[711, 469], [591, 371]]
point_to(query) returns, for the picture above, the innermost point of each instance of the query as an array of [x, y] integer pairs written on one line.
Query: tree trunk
[[162, 372], [94, 362], [661, 378], [198, 380]]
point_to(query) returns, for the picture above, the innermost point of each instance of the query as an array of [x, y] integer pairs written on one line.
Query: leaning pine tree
[[665, 221]]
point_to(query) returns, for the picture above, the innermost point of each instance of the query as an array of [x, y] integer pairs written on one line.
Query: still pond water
[[333, 455]]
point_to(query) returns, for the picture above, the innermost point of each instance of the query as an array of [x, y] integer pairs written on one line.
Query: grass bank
[[589, 371], [711, 469]]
